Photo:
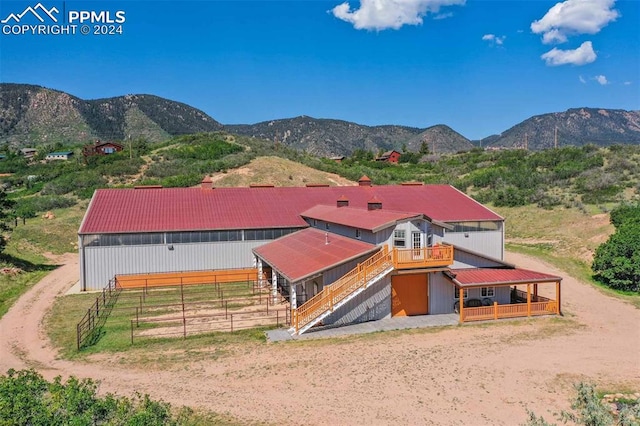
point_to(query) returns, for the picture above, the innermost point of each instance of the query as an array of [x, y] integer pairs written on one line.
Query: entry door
[[416, 238]]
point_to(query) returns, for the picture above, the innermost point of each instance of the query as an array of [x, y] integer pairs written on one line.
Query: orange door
[[409, 295]]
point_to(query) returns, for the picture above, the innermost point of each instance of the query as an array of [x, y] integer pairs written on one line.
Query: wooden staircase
[[342, 291]]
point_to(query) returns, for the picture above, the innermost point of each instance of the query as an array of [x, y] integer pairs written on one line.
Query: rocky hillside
[[576, 126], [439, 139], [31, 115], [325, 137]]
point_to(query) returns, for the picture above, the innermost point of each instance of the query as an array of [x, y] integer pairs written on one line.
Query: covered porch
[[524, 288]]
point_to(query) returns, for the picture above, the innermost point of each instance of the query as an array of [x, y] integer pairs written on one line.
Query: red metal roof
[[184, 209], [306, 253], [372, 220], [494, 276]]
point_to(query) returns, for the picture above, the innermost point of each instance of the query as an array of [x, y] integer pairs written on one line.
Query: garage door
[[409, 295]]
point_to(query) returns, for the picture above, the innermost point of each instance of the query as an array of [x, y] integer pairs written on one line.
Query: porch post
[[535, 292], [461, 294], [528, 300], [260, 280], [274, 286], [558, 310], [292, 296]]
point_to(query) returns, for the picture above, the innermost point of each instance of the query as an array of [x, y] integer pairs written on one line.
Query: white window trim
[[358, 234], [399, 235]]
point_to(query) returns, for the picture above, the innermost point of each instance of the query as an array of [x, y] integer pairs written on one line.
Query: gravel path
[[472, 375]]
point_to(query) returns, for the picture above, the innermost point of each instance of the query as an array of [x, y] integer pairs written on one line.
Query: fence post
[[277, 318], [232, 323], [78, 335], [137, 318], [132, 332], [184, 318], [495, 310]]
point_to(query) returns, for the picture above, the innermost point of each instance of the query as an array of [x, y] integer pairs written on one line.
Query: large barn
[[426, 239]]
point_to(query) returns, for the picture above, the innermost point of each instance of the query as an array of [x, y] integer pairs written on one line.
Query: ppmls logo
[[40, 20], [33, 11]]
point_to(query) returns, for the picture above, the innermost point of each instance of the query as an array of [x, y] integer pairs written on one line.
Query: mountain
[[439, 138], [576, 126], [327, 137], [31, 115]]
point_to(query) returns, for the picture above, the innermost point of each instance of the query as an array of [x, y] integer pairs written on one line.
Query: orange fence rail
[[514, 310], [426, 257], [185, 278], [333, 294]]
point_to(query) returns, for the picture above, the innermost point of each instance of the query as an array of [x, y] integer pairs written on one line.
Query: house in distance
[[392, 156], [339, 255], [101, 148]]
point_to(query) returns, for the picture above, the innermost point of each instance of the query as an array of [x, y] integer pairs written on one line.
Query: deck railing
[[514, 310], [333, 294], [426, 257]]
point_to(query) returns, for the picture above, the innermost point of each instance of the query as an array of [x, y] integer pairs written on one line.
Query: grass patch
[[158, 351], [57, 235], [13, 286]]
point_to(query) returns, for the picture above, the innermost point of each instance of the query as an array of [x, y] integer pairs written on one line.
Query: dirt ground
[[471, 375]]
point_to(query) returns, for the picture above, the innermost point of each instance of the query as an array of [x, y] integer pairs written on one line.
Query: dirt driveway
[[471, 375]]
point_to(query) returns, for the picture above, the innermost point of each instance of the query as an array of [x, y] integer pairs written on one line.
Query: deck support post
[[292, 296], [274, 286], [528, 300], [535, 293], [260, 271], [558, 310], [461, 295]]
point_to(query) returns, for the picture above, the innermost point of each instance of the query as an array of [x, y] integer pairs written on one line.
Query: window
[[358, 234], [456, 293], [315, 222], [326, 225], [399, 238], [487, 291]]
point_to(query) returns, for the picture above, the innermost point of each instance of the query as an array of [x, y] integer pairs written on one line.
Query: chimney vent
[[364, 181], [374, 204], [207, 183]]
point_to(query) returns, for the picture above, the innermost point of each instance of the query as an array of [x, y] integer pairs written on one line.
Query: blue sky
[[479, 67]]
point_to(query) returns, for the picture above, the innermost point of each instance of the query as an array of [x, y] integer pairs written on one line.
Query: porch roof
[[483, 277], [309, 252]]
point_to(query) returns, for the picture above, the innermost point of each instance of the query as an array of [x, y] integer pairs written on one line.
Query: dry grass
[[278, 172]]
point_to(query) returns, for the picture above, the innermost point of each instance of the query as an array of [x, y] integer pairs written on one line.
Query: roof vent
[[412, 183], [374, 204], [261, 185], [364, 181], [343, 201], [148, 187], [207, 183]]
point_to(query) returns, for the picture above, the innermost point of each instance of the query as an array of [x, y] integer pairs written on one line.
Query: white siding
[[372, 304], [486, 242], [463, 259], [440, 294], [100, 264]]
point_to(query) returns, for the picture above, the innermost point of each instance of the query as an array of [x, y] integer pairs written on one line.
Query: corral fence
[[202, 309], [89, 328]]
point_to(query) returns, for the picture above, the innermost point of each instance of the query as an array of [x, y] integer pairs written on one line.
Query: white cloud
[[573, 17], [442, 16], [580, 56], [385, 14], [492, 38], [627, 83], [582, 79], [601, 79]]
